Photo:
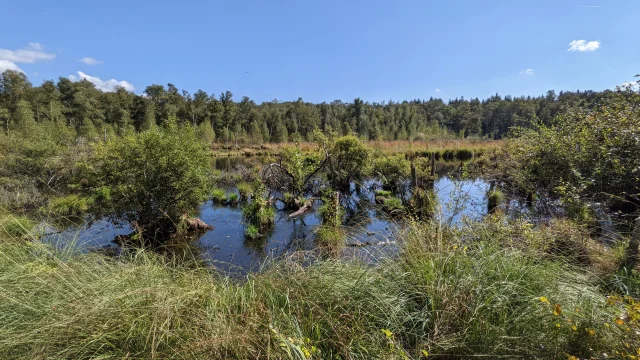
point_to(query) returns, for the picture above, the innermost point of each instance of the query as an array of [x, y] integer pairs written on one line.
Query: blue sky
[[327, 50]]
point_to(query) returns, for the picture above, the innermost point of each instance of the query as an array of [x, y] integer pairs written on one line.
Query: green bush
[[392, 170], [155, 177], [349, 161]]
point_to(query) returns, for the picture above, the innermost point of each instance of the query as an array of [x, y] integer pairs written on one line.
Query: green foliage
[[299, 166], [70, 205], [495, 199], [331, 212], [154, 177], [483, 290], [259, 212], [383, 193], [245, 190], [393, 206], [252, 232], [586, 153], [218, 195], [330, 238], [392, 170], [233, 198], [349, 161]]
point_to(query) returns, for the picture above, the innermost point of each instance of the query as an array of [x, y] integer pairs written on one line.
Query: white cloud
[[438, 90], [34, 52], [527, 72], [631, 85], [103, 85], [583, 45], [91, 61], [8, 65]]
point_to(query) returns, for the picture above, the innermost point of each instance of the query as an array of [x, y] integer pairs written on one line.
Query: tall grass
[[494, 290]]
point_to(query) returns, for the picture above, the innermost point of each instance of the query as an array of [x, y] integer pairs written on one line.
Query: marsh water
[[371, 234]]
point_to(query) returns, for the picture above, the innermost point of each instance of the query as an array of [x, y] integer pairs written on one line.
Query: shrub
[[392, 170], [348, 162], [259, 212], [155, 177]]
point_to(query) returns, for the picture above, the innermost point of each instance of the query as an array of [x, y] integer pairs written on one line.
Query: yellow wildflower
[[557, 310], [544, 299]]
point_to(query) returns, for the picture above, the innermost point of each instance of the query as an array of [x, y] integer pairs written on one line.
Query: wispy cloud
[[527, 72], [631, 85], [103, 85], [91, 61], [438, 90], [34, 52], [584, 45]]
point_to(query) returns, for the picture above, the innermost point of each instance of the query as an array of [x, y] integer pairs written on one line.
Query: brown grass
[[386, 147]]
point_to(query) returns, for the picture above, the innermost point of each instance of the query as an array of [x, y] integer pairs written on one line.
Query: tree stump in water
[[196, 224]]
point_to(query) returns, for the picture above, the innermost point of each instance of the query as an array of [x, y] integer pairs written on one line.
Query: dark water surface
[[226, 247]]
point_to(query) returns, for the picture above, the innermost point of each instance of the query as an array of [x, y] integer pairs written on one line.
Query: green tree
[[153, 178], [348, 161]]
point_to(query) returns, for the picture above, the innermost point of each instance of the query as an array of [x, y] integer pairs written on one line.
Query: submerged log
[[305, 208], [196, 224]]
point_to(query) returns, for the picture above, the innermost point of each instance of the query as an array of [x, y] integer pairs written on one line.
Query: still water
[[226, 247]]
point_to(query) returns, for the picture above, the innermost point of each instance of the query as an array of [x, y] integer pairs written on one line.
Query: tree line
[[88, 112]]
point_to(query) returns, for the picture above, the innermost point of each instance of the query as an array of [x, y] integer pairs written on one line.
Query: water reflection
[[226, 247]]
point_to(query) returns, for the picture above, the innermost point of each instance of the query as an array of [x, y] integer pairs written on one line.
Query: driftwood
[[305, 208], [196, 224]]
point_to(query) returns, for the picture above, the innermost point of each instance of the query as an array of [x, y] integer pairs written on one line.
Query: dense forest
[[89, 112]]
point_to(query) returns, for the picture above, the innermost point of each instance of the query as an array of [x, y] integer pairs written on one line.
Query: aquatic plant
[[252, 232], [70, 205], [233, 198], [218, 195], [245, 190], [495, 199]]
